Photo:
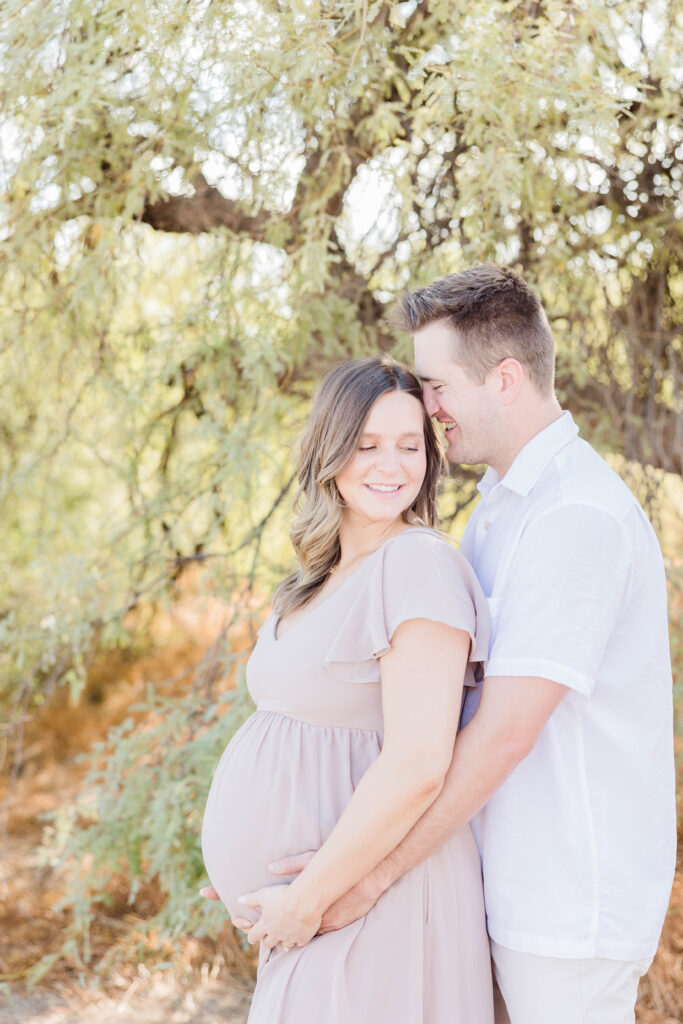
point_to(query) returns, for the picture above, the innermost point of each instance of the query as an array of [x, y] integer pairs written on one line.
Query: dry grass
[[30, 928], [661, 990], [50, 777]]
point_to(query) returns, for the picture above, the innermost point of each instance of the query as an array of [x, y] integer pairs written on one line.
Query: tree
[[207, 203]]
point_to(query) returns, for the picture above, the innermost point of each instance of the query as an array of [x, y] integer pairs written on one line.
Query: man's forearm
[[472, 778], [512, 712]]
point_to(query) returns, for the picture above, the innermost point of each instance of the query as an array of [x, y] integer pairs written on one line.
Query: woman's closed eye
[[371, 447]]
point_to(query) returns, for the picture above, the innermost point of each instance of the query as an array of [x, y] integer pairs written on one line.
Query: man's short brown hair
[[496, 315]]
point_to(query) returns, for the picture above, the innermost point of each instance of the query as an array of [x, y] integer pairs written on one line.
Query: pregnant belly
[[280, 787]]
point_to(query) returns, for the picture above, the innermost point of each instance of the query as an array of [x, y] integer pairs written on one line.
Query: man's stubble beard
[[488, 454], [460, 456]]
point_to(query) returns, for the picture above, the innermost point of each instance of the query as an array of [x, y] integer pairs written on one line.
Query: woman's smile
[[385, 490]]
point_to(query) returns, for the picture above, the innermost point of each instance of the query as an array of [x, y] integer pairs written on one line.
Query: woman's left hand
[[282, 921]]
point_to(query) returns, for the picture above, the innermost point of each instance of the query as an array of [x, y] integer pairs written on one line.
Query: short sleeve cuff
[[415, 575], [544, 668]]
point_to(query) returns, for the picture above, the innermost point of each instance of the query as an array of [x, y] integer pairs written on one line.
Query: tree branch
[[205, 210]]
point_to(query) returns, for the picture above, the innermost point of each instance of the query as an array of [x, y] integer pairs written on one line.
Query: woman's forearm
[[513, 711], [470, 781], [409, 773], [385, 805]]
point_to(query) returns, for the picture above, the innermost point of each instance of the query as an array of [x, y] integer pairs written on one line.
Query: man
[[566, 768]]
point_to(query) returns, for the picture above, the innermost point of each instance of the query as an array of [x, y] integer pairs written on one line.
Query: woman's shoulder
[[423, 557], [425, 543], [416, 574]]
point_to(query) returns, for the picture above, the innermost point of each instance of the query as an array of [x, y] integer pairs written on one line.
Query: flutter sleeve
[[416, 575]]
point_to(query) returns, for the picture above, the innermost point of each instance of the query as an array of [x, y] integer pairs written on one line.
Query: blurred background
[[206, 204]]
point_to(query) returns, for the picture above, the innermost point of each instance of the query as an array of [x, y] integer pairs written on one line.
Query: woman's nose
[[388, 460]]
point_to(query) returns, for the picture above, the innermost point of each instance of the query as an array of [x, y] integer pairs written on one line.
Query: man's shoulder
[[579, 476]]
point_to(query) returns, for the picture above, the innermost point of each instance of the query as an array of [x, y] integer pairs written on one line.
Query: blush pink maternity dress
[[421, 955]]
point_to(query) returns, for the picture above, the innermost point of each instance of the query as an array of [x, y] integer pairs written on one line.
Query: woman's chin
[[372, 518], [381, 510]]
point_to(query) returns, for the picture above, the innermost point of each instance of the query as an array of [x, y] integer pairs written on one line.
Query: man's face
[[469, 411]]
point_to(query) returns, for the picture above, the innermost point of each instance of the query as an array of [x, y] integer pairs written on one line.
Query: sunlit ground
[[208, 980]]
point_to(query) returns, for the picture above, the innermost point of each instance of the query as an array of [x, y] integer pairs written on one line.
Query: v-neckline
[[279, 639]]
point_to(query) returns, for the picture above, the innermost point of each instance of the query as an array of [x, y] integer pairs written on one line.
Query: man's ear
[[510, 375]]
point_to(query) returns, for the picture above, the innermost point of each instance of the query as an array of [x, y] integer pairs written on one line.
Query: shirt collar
[[533, 458]]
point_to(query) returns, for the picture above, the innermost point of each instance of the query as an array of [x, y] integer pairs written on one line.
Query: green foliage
[[161, 333], [139, 817], [207, 204]]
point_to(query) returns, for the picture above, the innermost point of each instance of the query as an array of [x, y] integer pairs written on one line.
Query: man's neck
[[523, 430]]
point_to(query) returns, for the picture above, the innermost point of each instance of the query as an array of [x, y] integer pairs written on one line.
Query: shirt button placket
[[490, 512], [484, 524]]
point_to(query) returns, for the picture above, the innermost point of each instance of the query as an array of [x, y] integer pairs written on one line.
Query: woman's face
[[385, 475]]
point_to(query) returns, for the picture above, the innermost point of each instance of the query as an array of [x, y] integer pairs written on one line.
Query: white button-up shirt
[[578, 844]]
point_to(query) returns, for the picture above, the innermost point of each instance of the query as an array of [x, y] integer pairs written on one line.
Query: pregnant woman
[[358, 679]]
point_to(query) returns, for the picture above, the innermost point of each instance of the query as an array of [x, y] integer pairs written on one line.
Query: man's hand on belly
[[353, 905], [209, 893], [348, 908]]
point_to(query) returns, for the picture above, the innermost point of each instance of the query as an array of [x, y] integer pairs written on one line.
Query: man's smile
[[448, 426]]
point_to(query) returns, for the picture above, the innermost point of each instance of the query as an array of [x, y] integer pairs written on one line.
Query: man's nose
[[429, 399]]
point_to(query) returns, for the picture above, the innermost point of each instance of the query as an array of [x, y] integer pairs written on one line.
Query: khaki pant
[[553, 990]]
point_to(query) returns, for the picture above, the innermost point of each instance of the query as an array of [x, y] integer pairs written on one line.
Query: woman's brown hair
[[340, 410]]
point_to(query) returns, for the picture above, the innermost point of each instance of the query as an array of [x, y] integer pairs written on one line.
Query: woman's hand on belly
[[283, 921], [350, 907], [209, 893]]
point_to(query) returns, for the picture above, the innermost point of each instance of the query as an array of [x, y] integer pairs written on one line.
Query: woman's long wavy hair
[[340, 410]]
